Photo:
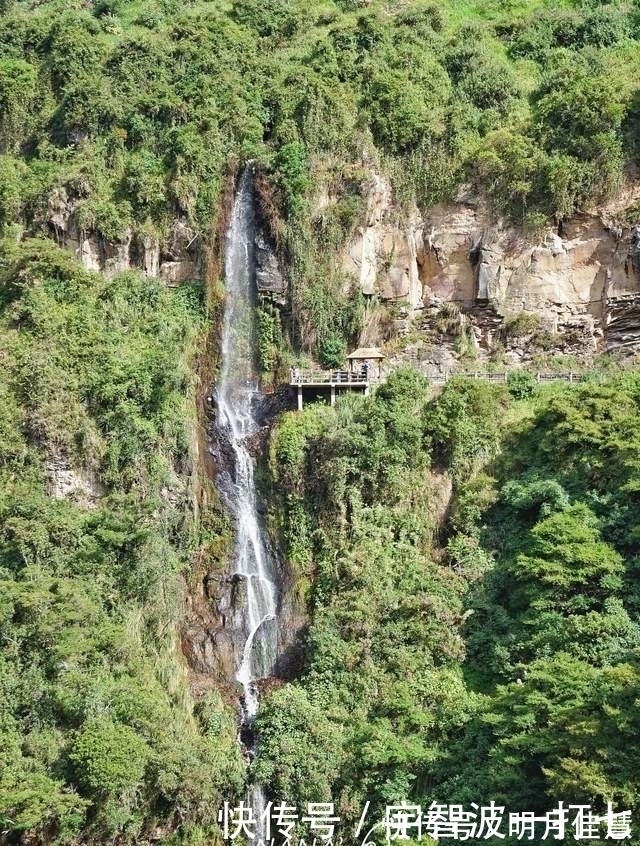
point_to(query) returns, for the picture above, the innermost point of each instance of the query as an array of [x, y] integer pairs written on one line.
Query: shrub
[[524, 323], [107, 758], [269, 337], [521, 384], [18, 85], [144, 183], [291, 175], [333, 349]]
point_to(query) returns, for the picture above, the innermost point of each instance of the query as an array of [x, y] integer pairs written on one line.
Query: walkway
[[502, 377], [337, 381]]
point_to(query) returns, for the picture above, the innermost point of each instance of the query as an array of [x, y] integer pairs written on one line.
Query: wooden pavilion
[[363, 369]]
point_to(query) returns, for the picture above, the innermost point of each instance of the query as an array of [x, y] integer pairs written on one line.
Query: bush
[[18, 85], [399, 112], [269, 337], [521, 384], [551, 29], [108, 759], [333, 350], [524, 323], [577, 108], [299, 747], [488, 83], [144, 183], [267, 17], [291, 175]]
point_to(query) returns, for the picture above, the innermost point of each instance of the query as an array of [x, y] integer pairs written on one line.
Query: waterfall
[[237, 399]]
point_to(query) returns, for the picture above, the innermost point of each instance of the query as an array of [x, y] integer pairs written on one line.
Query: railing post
[[538, 376]]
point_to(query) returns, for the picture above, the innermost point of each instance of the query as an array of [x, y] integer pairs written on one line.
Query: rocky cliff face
[[80, 485], [581, 279], [176, 259], [571, 277], [387, 253]]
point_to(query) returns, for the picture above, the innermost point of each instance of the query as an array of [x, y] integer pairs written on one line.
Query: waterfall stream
[[237, 400]]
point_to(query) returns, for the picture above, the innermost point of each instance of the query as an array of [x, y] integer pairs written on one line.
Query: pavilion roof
[[365, 352]]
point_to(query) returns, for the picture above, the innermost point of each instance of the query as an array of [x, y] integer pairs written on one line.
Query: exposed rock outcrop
[[269, 279], [175, 259], [385, 254], [459, 253], [78, 485], [623, 322]]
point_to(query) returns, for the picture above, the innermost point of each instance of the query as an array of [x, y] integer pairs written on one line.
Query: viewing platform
[[363, 371], [329, 383]]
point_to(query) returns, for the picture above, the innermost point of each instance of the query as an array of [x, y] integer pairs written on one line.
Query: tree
[[108, 759], [299, 748], [333, 349]]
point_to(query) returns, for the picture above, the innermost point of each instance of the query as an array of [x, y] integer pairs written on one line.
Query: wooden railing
[[502, 377], [331, 377], [345, 377]]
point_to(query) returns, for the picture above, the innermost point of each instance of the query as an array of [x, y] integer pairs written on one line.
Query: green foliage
[[381, 680], [523, 323], [401, 115], [521, 384], [269, 329], [556, 619], [333, 350], [556, 730], [108, 759], [100, 737], [291, 176], [274, 17], [462, 426], [600, 26], [577, 108], [143, 182], [299, 747], [534, 597], [482, 78], [30, 800], [17, 92]]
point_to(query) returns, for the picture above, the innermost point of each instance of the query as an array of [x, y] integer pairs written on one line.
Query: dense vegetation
[[482, 648], [474, 647], [126, 115], [98, 731]]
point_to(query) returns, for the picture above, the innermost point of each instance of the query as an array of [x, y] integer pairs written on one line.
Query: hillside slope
[[454, 573]]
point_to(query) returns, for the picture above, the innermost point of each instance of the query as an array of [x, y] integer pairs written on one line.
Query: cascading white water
[[237, 394]]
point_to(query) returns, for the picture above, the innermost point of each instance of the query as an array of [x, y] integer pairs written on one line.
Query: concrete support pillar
[[333, 395], [299, 397], [366, 390]]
